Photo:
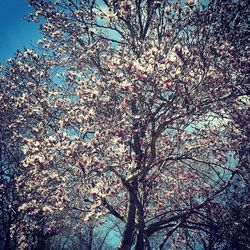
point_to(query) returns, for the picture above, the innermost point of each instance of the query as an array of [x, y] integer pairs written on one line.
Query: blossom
[[23, 207], [126, 85], [26, 149], [191, 3], [47, 208], [110, 15]]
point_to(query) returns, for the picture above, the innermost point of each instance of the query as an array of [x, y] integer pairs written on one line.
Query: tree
[[10, 161], [132, 103]]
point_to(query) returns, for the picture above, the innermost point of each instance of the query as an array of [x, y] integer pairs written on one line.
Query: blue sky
[[15, 31]]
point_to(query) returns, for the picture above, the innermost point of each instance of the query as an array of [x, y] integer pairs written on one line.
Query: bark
[[41, 244], [7, 241], [140, 240], [7, 245], [147, 244], [140, 245], [90, 238], [127, 238]]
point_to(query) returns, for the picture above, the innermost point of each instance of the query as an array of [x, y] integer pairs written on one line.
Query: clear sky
[[15, 31]]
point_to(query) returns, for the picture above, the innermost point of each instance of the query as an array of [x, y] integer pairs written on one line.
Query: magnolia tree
[[17, 120], [12, 125], [9, 163], [132, 107]]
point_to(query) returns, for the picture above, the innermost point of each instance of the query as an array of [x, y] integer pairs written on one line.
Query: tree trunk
[[140, 244], [7, 245], [7, 240], [139, 241], [127, 238]]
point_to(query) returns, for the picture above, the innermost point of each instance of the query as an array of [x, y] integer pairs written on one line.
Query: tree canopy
[[138, 109]]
